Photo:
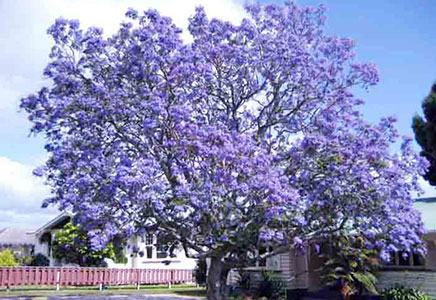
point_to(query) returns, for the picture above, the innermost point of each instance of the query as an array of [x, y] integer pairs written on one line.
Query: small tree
[[7, 258], [350, 265], [73, 245], [425, 133]]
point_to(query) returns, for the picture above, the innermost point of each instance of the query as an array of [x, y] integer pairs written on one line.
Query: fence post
[[138, 279], [100, 279], [171, 279], [58, 280]]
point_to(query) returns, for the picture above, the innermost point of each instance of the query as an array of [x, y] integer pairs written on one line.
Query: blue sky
[[396, 35]]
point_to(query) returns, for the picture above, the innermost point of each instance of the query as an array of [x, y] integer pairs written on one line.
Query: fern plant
[[351, 266]]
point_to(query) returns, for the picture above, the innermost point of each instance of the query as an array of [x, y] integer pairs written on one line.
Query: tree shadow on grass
[[195, 293]]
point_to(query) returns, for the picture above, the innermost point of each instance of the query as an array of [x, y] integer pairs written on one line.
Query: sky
[[397, 35]]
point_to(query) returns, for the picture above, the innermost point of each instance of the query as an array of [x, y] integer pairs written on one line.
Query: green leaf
[[368, 280]]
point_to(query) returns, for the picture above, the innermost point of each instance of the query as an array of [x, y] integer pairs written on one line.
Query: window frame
[[412, 265]]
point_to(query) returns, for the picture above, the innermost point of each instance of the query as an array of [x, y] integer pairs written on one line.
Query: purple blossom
[[298, 242], [248, 135]]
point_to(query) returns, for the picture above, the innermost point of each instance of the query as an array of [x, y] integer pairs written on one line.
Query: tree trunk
[[214, 279]]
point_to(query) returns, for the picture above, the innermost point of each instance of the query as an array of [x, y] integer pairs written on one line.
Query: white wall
[[135, 261]]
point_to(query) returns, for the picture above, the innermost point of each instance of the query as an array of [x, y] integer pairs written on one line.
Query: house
[[20, 241], [141, 251], [300, 271], [415, 271]]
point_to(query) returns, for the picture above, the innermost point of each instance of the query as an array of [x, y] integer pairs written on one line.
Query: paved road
[[124, 297], [111, 297]]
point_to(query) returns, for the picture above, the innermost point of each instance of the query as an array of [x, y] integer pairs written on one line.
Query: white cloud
[[25, 47], [25, 44], [21, 195], [17, 178], [109, 13]]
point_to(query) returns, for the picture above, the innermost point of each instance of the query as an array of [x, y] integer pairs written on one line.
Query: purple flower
[[250, 129], [298, 242]]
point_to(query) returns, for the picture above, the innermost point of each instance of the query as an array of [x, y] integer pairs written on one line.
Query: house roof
[[54, 222], [16, 236], [427, 208], [426, 200]]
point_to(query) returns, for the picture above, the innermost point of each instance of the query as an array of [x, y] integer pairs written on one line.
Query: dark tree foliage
[[425, 133], [40, 260]]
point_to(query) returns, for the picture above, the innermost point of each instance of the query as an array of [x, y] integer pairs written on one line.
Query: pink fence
[[15, 276]]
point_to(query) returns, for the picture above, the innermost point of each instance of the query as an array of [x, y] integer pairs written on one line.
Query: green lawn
[[41, 291]]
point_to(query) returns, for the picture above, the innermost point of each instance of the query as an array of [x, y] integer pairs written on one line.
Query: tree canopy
[[247, 135], [425, 133]]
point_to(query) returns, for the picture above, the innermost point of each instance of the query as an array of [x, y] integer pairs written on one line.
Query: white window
[[161, 251], [148, 240]]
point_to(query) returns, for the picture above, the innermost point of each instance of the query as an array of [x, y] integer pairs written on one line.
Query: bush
[[24, 260], [40, 260], [350, 266], [7, 258], [244, 279], [400, 292], [271, 287]]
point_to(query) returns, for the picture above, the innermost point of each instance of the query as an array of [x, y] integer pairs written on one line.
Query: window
[[161, 251], [262, 262], [149, 251], [392, 260], [418, 260], [403, 259], [148, 239], [406, 259], [162, 248]]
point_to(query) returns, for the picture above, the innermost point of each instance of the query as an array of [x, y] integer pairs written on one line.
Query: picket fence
[[67, 276]]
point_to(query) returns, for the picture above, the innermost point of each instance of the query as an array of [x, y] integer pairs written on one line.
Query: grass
[[41, 291]]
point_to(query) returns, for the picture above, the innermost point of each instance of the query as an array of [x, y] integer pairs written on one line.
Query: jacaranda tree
[[247, 135]]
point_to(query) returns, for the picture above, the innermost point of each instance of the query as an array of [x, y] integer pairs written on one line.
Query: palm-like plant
[[351, 266]]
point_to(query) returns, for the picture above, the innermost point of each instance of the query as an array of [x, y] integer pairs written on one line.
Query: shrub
[[350, 265], [7, 258], [24, 260], [244, 279], [400, 292], [40, 260], [271, 286]]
